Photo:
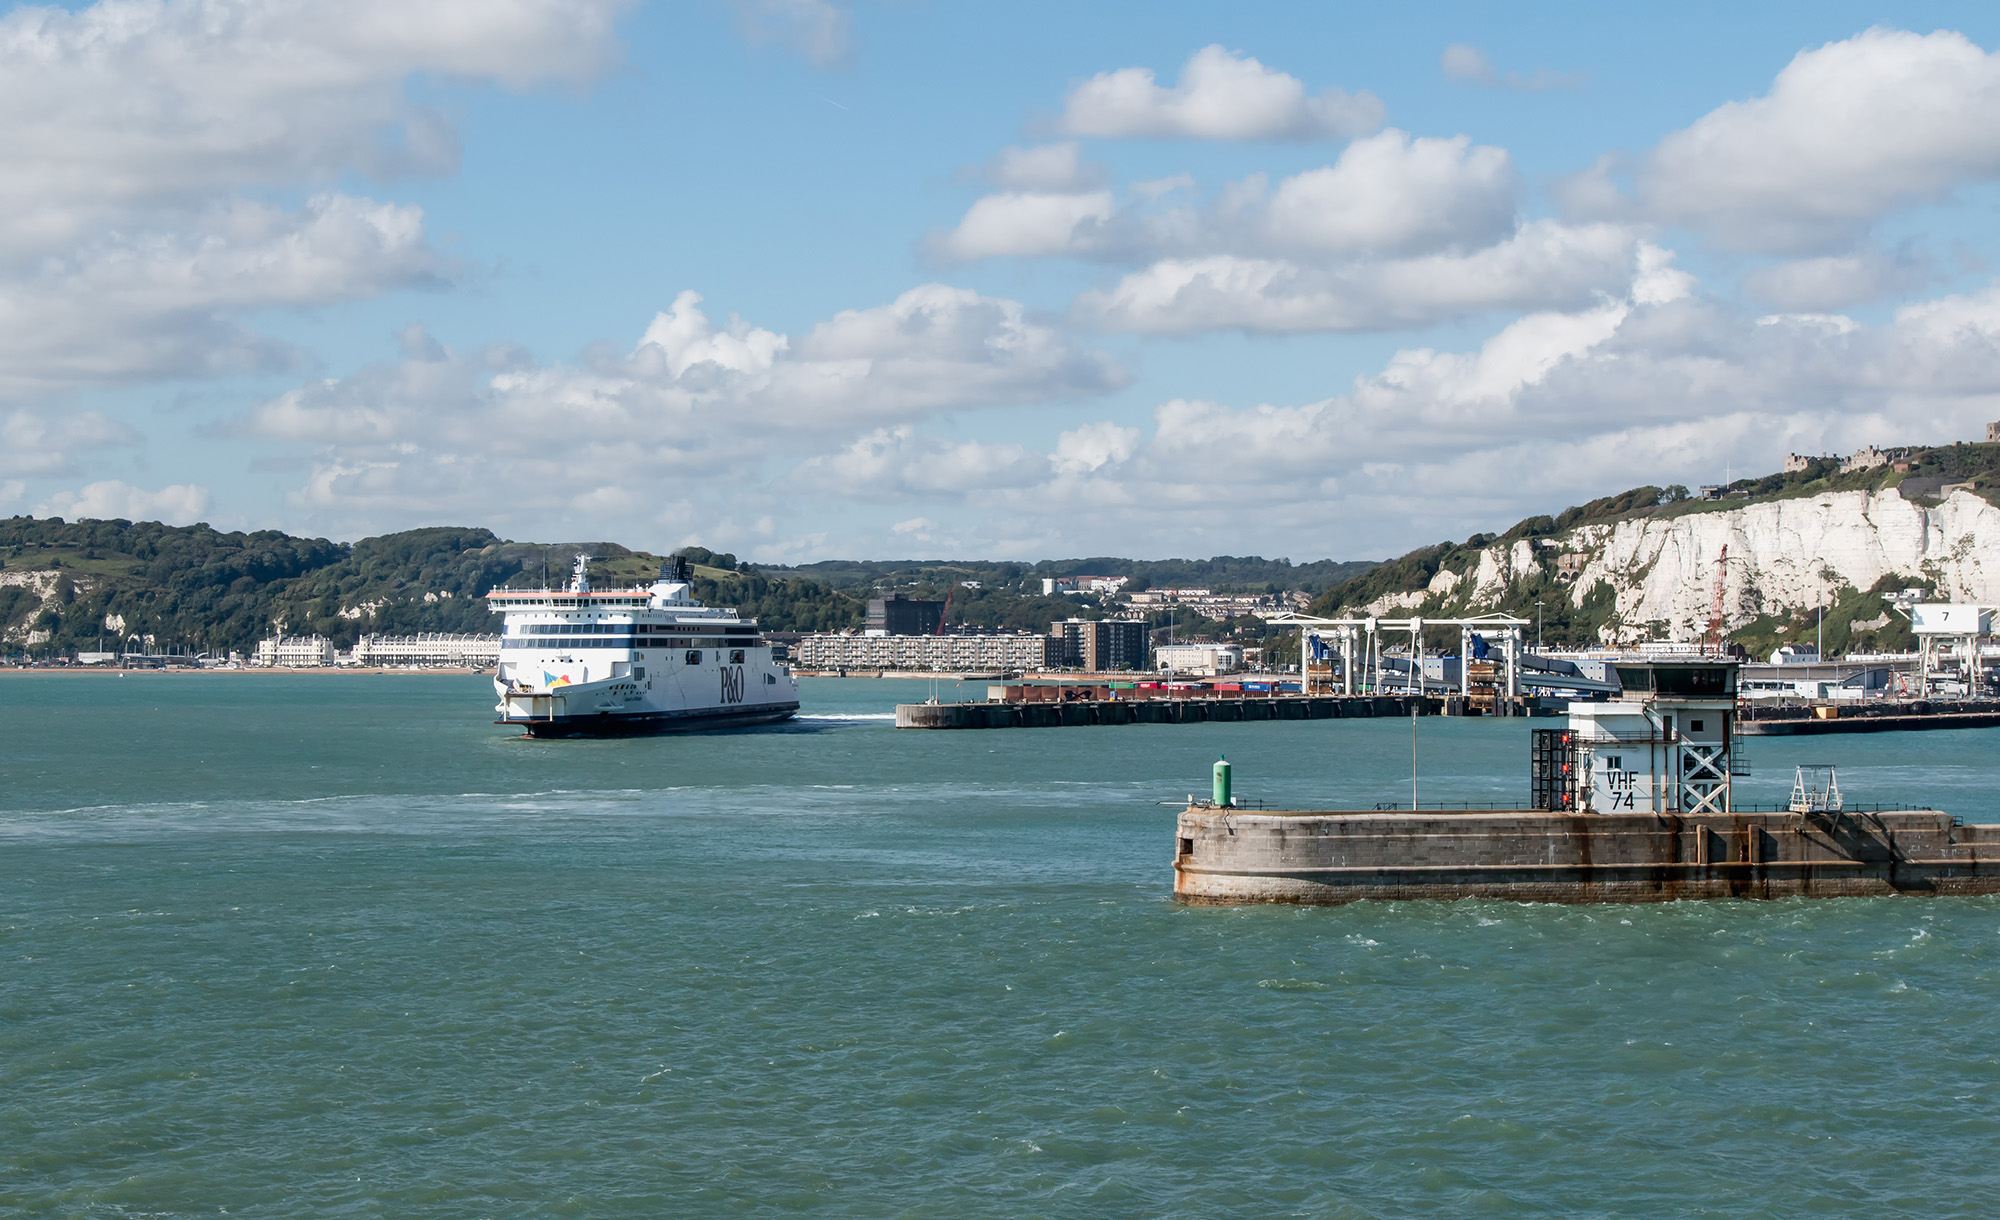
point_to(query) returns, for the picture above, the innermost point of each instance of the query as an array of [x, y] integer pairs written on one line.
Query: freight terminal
[[1353, 664]]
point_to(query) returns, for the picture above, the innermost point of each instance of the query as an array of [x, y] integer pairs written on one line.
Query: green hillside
[[89, 585]]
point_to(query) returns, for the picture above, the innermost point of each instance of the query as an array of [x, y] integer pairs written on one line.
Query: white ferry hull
[[621, 724]]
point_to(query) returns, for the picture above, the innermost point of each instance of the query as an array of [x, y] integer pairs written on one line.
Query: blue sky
[[1331, 281]]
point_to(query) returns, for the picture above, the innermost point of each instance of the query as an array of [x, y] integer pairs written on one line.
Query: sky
[[802, 279]]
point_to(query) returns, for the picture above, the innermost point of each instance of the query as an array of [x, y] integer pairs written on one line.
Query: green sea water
[[339, 946]]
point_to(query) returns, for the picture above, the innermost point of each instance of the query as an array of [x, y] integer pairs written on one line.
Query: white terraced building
[[295, 652], [1199, 658], [428, 648], [1021, 651]]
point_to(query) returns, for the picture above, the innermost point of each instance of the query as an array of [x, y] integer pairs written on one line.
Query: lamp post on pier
[[1538, 628]]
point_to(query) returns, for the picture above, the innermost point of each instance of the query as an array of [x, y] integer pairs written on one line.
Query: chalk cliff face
[[1784, 555]]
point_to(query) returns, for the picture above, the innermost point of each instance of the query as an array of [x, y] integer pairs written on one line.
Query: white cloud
[[1594, 193], [1464, 62], [1220, 96], [1835, 281], [1660, 386], [1044, 167], [821, 31], [1094, 447], [1397, 232], [695, 413], [1389, 193], [158, 304], [1546, 264], [124, 104], [896, 462], [1849, 132], [1025, 224], [142, 140], [36, 443], [180, 504], [1386, 194]]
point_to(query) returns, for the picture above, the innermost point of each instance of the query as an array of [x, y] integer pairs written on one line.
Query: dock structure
[[1492, 674], [1634, 801], [1868, 718], [1229, 856], [999, 714]]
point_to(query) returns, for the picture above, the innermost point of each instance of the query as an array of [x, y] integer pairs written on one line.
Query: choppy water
[[283, 946]]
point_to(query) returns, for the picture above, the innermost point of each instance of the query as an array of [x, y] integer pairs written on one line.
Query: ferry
[[577, 662]]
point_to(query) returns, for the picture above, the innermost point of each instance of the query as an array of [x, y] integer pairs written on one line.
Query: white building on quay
[[1020, 651], [429, 648], [1207, 659], [295, 652]]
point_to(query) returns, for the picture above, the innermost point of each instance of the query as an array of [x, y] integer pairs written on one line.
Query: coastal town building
[[894, 614], [295, 652], [1870, 458], [1099, 645], [1066, 585], [428, 648], [1218, 606], [1205, 659], [1014, 651]]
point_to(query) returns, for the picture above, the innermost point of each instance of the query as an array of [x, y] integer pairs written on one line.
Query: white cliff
[[1784, 556]]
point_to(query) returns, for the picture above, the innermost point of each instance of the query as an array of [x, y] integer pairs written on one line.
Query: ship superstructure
[[577, 661]]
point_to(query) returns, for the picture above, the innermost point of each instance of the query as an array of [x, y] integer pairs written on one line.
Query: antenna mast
[[1715, 602]]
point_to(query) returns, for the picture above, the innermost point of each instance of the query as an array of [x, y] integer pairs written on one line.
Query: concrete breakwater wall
[[1153, 711], [1227, 856], [1802, 722]]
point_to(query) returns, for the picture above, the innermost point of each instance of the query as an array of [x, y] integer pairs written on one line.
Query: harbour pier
[[1229, 856], [1067, 713], [1633, 801]]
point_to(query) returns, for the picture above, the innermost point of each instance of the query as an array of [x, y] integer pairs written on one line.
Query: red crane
[[1715, 603], [947, 610]]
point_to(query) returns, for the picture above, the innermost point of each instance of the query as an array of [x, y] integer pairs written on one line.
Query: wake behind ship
[[576, 662]]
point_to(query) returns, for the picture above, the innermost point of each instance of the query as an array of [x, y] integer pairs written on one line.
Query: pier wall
[[1870, 718], [1227, 857], [999, 715]]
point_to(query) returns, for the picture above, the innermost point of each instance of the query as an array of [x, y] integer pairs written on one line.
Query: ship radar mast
[[579, 581]]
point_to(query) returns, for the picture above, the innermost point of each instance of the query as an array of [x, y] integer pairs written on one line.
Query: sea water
[[339, 946]]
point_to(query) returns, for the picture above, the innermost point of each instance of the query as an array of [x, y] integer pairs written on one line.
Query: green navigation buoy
[[1222, 782]]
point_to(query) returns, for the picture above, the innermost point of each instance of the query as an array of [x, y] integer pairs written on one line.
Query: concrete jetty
[[1633, 801], [1231, 856], [1004, 715]]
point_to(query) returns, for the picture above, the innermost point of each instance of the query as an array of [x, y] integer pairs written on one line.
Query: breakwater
[[1803, 722], [1231, 856], [1078, 712]]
